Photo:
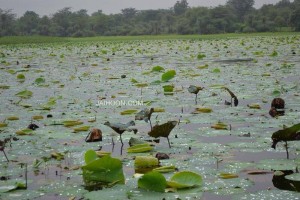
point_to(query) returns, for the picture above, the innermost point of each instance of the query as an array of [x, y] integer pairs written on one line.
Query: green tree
[[62, 22], [295, 15], [180, 7], [28, 23], [240, 7], [7, 21]]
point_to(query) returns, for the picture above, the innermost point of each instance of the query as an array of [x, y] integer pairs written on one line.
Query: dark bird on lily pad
[[145, 115], [233, 96], [277, 107], [288, 134], [194, 90], [163, 130], [120, 128]]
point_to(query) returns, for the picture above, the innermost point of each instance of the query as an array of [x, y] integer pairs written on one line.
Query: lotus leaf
[[168, 75], [185, 179], [25, 94], [145, 162], [139, 148], [104, 170], [153, 181]]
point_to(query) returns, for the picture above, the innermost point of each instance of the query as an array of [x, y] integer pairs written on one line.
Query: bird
[[163, 130], [278, 103], [232, 95], [277, 107], [288, 134], [120, 128], [194, 90], [145, 115]]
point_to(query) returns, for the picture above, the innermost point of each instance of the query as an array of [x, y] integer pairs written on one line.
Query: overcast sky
[[48, 7]]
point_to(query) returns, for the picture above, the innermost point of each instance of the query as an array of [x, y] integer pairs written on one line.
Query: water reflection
[[280, 182]]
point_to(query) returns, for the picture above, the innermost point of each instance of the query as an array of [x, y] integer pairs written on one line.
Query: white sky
[[48, 7]]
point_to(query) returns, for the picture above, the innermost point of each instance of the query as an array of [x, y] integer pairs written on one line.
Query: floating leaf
[[153, 181], [133, 80], [128, 112], [81, 128], [139, 148], [200, 56], [4, 87], [145, 162], [104, 170], [141, 85], [228, 176], [57, 155], [37, 117], [25, 94], [168, 89], [220, 126], [168, 75], [158, 110], [216, 70], [185, 179], [3, 125], [157, 69], [12, 118], [274, 53], [165, 169], [293, 177], [24, 132], [72, 123], [90, 155], [203, 66], [103, 153], [39, 81], [254, 106], [21, 77], [203, 110]]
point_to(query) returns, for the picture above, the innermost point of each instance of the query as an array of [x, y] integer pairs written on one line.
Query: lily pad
[[139, 148], [165, 169], [153, 181], [185, 179], [104, 170], [168, 75], [145, 162], [25, 94], [128, 112]]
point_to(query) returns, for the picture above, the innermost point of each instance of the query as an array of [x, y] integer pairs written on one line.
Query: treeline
[[234, 16]]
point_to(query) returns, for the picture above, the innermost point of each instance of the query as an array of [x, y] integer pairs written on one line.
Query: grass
[[44, 39]]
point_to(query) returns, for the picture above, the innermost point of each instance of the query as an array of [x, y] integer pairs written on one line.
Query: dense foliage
[[234, 16]]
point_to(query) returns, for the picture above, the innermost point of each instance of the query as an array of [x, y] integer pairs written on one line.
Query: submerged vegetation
[[63, 103]]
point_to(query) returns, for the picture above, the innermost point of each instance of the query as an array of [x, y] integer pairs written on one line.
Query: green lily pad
[[81, 129], [185, 179], [139, 148], [293, 177], [157, 69], [25, 94], [128, 112], [165, 169], [153, 181], [277, 164], [168, 75], [39, 81], [145, 162], [104, 170], [89, 156]]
